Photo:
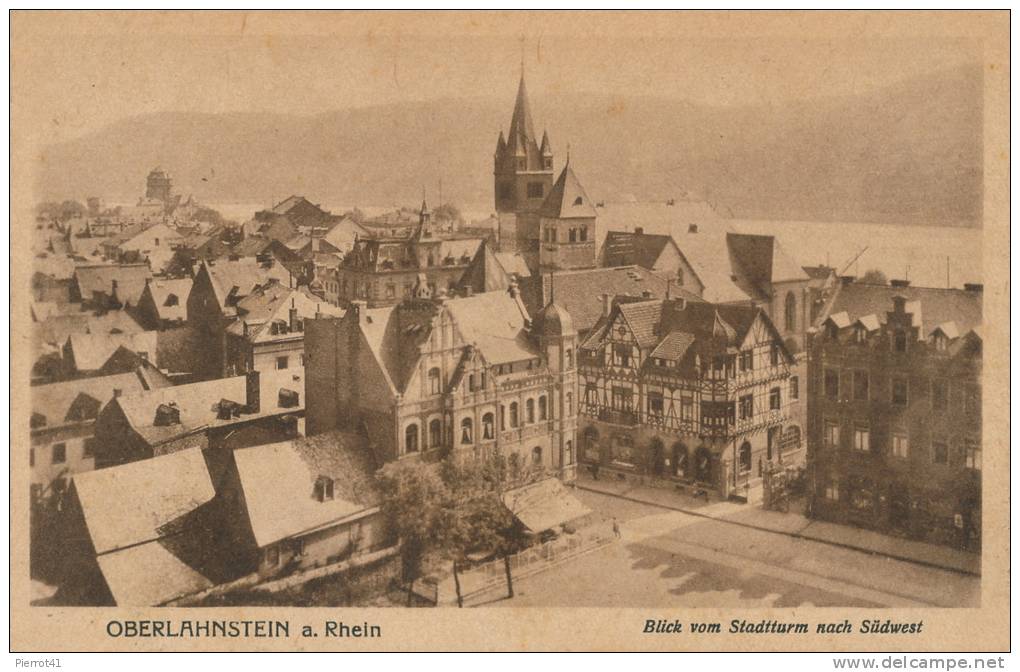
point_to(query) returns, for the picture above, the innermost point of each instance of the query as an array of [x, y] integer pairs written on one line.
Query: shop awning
[[543, 505]]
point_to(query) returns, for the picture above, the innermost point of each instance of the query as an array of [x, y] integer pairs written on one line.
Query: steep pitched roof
[[643, 318], [495, 323], [272, 303], [198, 403], [930, 306], [580, 292], [279, 482], [52, 403], [238, 278], [92, 351], [567, 199], [485, 273], [170, 296], [522, 128], [624, 248], [130, 280], [137, 517]]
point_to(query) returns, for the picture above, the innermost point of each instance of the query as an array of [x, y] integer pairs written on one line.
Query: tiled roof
[[238, 278], [272, 303], [56, 329], [567, 199], [485, 273], [624, 248], [643, 318], [92, 351], [937, 306], [674, 346], [580, 292], [495, 323], [139, 518], [279, 482], [130, 281], [171, 297], [52, 402], [198, 403]]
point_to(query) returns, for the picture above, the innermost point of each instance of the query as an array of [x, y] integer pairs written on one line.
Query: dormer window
[[578, 201], [940, 341], [324, 489]]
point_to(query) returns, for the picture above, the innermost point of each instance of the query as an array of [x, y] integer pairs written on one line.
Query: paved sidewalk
[[793, 524]]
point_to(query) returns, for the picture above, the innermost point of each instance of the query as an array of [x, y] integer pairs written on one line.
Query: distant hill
[[911, 153]]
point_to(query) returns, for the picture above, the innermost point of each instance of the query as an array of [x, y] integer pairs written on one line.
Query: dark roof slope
[[938, 306]]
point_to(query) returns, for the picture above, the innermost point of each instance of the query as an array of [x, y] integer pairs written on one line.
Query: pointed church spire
[[546, 147], [521, 125]]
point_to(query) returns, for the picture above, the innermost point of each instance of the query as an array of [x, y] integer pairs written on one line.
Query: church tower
[[523, 177], [567, 224]]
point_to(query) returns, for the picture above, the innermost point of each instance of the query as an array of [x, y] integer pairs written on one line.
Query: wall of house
[[44, 471], [326, 546], [918, 494]]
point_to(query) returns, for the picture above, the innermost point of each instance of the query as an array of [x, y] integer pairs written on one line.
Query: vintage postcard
[[511, 331]]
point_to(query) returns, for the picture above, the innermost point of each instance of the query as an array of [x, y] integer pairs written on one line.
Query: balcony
[[615, 417]]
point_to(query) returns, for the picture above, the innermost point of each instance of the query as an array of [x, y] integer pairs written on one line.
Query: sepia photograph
[[671, 324]]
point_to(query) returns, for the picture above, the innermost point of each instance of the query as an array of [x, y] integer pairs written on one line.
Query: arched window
[[435, 433], [434, 378], [488, 431], [569, 357], [790, 312], [411, 439], [502, 417], [466, 434], [745, 457], [680, 276], [568, 453], [536, 456], [513, 413], [569, 404], [543, 408], [529, 410]]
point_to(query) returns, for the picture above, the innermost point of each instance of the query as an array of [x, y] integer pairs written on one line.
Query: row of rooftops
[[136, 517]]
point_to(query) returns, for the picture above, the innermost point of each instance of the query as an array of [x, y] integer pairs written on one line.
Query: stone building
[[551, 224], [432, 377], [895, 396], [383, 271], [686, 390]]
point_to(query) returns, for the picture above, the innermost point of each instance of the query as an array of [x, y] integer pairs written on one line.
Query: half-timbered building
[[686, 390]]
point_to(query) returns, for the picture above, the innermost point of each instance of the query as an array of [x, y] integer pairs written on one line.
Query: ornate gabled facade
[[382, 271], [433, 377], [687, 390], [894, 440]]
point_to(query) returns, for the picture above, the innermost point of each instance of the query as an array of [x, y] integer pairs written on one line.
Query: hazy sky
[[79, 74]]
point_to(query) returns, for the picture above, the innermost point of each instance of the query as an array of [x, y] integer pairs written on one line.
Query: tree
[[874, 277], [61, 211], [448, 212], [413, 500]]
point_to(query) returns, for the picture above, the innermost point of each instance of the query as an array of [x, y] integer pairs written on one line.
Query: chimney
[[117, 392], [973, 287], [252, 391], [692, 228], [513, 289], [292, 314], [899, 283], [607, 304], [639, 231], [167, 414]]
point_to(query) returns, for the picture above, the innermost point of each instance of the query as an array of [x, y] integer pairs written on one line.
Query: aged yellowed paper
[[509, 331]]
